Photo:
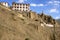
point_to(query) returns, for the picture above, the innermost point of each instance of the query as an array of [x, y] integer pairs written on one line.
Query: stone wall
[[47, 19], [32, 15]]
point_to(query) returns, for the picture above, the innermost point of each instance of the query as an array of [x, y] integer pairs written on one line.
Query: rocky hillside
[[24, 26]]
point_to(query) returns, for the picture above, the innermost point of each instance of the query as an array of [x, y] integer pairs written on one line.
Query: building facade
[[4, 4], [20, 7]]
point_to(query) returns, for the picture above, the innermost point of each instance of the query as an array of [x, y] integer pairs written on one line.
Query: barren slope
[[13, 27]]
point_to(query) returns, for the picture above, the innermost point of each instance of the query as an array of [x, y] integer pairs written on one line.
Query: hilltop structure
[[20, 7], [17, 6], [4, 4], [30, 14]]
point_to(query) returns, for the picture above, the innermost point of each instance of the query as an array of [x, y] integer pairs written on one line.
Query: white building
[[4, 4], [20, 6], [49, 25]]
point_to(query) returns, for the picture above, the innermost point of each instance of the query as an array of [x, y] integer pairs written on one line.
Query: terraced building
[[4, 4], [21, 7]]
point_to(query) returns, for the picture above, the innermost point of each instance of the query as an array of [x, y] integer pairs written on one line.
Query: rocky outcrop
[[32, 15], [47, 19]]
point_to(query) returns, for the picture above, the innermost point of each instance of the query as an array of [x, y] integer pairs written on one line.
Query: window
[[5, 3], [26, 4], [15, 4], [20, 7], [23, 7], [26, 7], [20, 4], [17, 7]]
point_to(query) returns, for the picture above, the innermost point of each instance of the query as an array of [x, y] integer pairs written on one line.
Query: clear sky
[[50, 7]]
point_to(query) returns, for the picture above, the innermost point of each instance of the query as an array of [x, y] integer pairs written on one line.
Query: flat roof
[[20, 3]]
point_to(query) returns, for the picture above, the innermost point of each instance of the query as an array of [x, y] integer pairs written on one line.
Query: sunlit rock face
[[32, 15]]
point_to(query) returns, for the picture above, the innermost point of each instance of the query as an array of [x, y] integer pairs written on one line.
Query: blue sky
[[50, 7]]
